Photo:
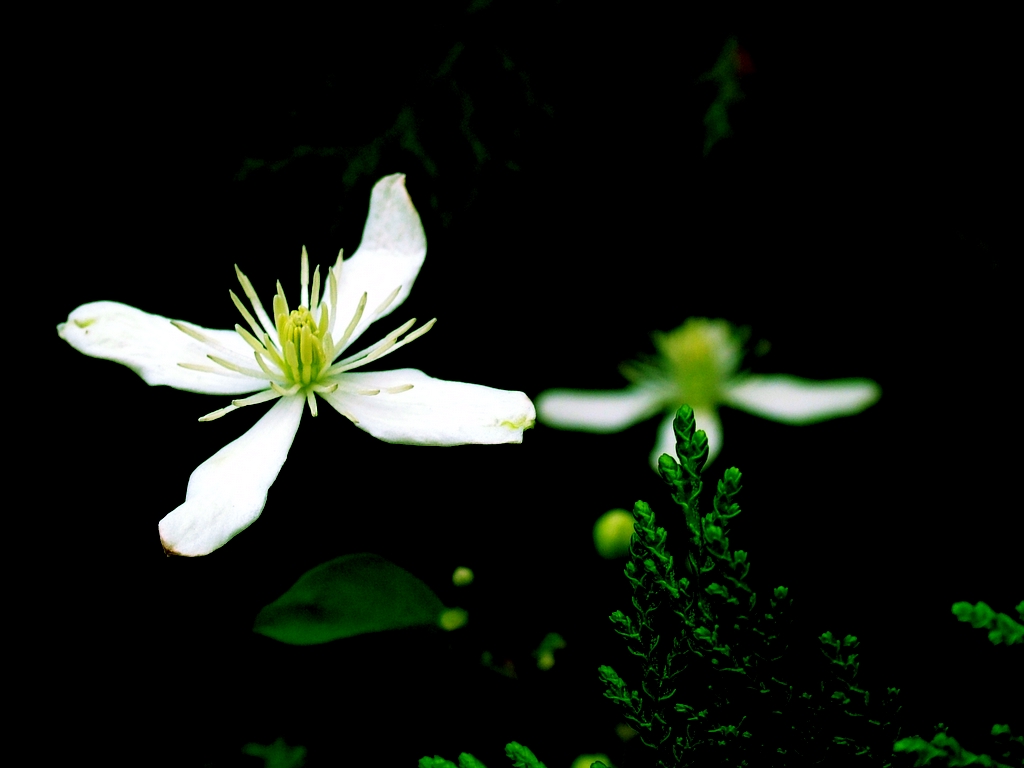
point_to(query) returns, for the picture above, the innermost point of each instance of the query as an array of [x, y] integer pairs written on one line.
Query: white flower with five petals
[[292, 357], [698, 365]]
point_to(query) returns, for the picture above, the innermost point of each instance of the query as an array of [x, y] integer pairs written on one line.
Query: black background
[[859, 220]]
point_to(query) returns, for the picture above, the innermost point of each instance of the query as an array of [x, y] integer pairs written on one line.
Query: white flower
[[697, 364], [292, 356]]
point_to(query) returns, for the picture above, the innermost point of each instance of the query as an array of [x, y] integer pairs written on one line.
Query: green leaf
[[350, 595]]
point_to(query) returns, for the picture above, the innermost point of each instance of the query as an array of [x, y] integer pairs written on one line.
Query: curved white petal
[[152, 347], [227, 492], [706, 419], [390, 255], [792, 400], [599, 411], [433, 412]]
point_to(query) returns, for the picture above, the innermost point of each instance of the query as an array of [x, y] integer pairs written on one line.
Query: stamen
[[207, 340], [259, 397], [332, 278], [387, 302], [314, 300], [274, 354], [304, 280], [292, 356], [263, 364], [375, 350], [251, 340], [311, 400], [280, 316], [387, 345], [195, 334], [399, 388], [292, 390], [206, 369], [328, 345], [245, 313], [325, 389], [257, 306], [411, 337], [284, 300], [340, 345], [217, 414], [337, 263], [252, 372], [367, 391]]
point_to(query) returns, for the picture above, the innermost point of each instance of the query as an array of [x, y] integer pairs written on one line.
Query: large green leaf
[[350, 595]]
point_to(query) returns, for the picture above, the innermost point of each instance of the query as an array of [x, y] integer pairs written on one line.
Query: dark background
[[859, 220]]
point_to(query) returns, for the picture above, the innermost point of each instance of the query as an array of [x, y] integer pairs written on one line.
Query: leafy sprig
[[715, 684]]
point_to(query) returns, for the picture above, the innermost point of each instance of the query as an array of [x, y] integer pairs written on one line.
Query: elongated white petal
[[433, 412], [390, 255], [707, 419], [227, 492], [600, 411], [152, 347], [792, 400]]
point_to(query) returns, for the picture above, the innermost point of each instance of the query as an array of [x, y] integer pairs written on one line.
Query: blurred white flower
[[698, 364], [293, 356]]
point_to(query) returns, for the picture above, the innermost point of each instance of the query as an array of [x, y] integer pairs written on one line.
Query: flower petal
[[227, 492], [152, 347], [390, 255], [706, 419], [433, 412], [792, 400], [599, 411]]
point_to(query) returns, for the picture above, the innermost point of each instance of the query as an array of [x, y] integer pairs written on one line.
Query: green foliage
[[716, 686], [1002, 629], [520, 756], [277, 755], [725, 74], [350, 595], [944, 746]]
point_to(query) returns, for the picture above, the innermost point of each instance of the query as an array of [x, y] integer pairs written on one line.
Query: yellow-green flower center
[[699, 357], [302, 343]]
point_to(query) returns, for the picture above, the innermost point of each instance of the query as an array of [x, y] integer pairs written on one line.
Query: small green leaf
[[350, 595]]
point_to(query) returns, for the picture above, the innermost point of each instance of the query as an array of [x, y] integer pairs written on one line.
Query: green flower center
[[302, 342], [699, 357]]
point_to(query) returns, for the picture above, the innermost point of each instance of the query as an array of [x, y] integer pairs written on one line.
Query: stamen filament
[[387, 302], [213, 415], [304, 280], [332, 279], [280, 315], [325, 389], [207, 340], [376, 348], [311, 401], [292, 356], [259, 397], [284, 300], [251, 340], [263, 364], [292, 390], [314, 300], [206, 369], [274, 354], [245, 313], [340, 345], [257, 305], [251, 372]]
